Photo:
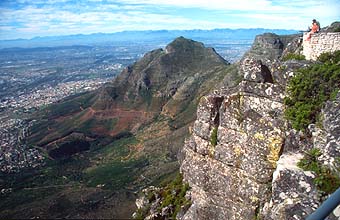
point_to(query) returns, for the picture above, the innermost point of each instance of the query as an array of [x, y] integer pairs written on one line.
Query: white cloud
[[70, 17], [325, 10], [211, 4], [6, 28]]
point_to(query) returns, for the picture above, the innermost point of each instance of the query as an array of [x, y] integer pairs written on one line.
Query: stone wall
[[320, 43]]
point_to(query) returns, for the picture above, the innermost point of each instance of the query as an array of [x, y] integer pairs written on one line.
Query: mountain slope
[[163, 81], [108, 144]]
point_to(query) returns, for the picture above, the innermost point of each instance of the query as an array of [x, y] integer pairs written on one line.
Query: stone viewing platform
[[320, 43]]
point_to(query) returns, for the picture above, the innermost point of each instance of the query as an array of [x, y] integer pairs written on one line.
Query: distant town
[[49, 94], [14, 153], [31, 79]]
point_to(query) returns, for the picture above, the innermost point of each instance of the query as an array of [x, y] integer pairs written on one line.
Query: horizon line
[[108, 33]]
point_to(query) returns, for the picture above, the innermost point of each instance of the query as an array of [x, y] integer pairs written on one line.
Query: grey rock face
[[268, 46], [252, 172], [230, 180], [294, 46], [255, 71], [283, 71], [331, 125], [263, 60], [294, 194]]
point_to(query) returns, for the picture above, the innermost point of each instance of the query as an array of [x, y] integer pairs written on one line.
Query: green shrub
[[330, 58], [310, 88], [310, 161], [326, 180], [142, 212], [174, 193], [213, 139], [293, 56]]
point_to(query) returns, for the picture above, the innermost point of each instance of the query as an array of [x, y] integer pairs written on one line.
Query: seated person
[[315, 28]]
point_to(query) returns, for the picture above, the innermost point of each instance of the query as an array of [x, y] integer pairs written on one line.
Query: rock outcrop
[[233, 178], [294, 194], [250, 171]]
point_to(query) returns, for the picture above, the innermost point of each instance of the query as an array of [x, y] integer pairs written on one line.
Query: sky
[[31, 18]]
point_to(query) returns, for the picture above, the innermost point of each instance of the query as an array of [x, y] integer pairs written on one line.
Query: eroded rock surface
[[232, 179], [251, 172], [241, 158], [294, 194]]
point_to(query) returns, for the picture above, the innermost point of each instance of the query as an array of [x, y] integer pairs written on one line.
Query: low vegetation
[[213, 139], [293, 56], [326, 180], [172, 195], [310, 88]]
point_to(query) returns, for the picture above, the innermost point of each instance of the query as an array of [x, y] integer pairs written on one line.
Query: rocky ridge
[[251, 171]]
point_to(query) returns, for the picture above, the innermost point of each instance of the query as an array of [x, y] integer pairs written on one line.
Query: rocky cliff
[[249, 171]]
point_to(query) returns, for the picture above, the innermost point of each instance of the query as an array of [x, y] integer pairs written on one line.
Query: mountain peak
[[182, 44], [163, 75]]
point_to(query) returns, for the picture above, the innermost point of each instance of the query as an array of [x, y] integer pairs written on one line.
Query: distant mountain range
[[160, 36]]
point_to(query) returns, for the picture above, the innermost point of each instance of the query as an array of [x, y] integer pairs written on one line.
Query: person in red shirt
[[314, 29]]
